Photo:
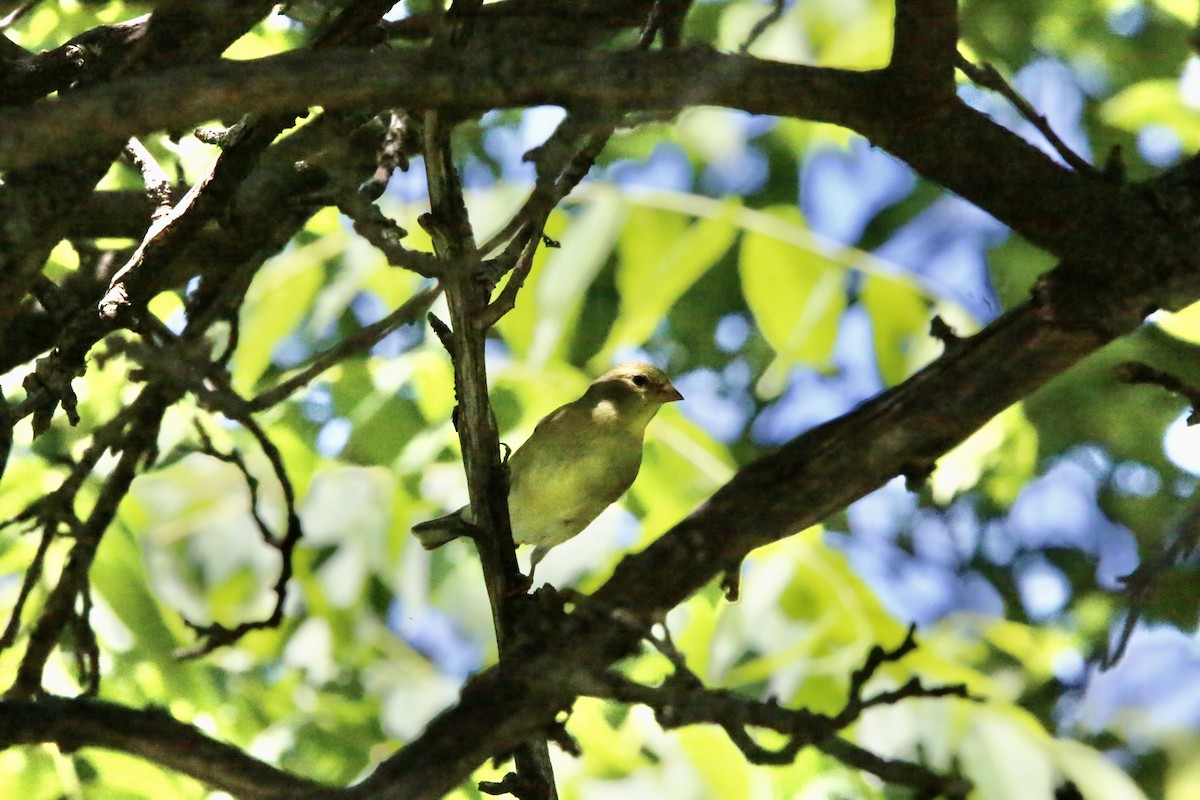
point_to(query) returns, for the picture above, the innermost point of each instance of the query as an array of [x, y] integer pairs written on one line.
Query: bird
[[579, 459]]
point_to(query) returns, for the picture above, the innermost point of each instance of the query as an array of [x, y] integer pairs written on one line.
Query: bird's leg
[[539, 553]]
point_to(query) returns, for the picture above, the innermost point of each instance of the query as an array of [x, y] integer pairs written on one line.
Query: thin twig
[[1139, 373], [60, 608], [1142, 584], [357, 343], [172, 361], [33, 574], [154, 178], [233, 456], [14, 16], [682, 701], [549, 191], [87, 649], [385, 235], [989, 77], [507, 298], [54, 513], [665, 22], [760, 27], [216, 635]]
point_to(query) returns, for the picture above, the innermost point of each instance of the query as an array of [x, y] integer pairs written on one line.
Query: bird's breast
[[557, 494]]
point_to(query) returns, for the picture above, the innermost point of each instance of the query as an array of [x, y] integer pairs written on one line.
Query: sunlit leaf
[[279, 298], [722, 767], [899, 314], [1155, 101], [660, 258], [1002, 455], [797, 296]]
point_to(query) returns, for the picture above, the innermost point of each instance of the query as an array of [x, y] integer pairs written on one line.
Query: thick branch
[[152, 735], [35, 202], [956, 147], [903, 431], [177, 226], [264, 215], [925, 43]]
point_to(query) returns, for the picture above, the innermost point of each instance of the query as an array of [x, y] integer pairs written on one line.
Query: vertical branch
[[925, 43], [467, 297]]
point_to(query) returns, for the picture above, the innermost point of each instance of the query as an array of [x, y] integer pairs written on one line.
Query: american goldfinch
[[577, 462]]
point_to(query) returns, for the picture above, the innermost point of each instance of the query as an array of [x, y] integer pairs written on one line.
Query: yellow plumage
[[579, 459]]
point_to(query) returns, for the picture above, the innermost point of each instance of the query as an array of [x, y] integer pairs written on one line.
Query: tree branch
[[903, 430], [73, 584], [172, 230], [682, 699], [467, 297], [988, 77], [956, 146], [152, 735], [924, 45], [35, 201], [1093, 297], [354, 344]]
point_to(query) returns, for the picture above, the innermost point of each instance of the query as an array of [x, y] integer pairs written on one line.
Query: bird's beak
[[668, 394]]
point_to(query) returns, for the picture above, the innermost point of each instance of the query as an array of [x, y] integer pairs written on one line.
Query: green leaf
[[118, 574], [549, 302], [661, 257], [899, 314], [120, 577], [1155, 101], [1093, 773], [797, 296], [1001, 457], [28, 773], [609, 753], [1014, 268], [722, 767], [279, 298], [1004, 755], [119, 776]]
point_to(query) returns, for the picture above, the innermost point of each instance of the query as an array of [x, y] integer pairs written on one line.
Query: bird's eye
[[639, 380]]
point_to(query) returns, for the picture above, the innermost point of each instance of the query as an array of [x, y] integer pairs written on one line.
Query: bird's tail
[[436, 532]]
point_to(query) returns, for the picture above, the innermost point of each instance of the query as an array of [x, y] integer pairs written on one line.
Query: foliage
[[264, 369]]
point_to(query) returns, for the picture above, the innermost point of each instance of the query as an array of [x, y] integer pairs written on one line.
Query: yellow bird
[[577, 462]]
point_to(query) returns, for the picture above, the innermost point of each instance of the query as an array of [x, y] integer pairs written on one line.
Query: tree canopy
[[279, 281]]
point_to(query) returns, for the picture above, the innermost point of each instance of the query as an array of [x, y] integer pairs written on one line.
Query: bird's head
[[635, 388]]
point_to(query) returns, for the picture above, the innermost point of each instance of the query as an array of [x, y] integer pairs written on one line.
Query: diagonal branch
[[73, 584], [154, 736], [901, 431], [350, 346], [175, 228], [989, 77], [35, 201]]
